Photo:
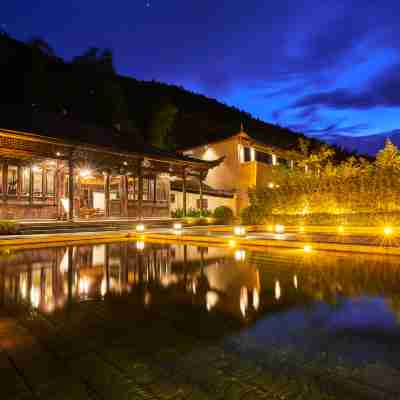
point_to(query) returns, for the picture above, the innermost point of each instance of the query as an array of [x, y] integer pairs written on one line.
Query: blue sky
[[315, 66]]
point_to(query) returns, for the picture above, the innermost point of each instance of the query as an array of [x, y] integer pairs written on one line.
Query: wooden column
[[19, 181], [107, 195], [78, 196], [140, 192], [5, 180], [123, 194], [201, 193], [71, 185], [30, 185], [184, 200], [155, 189], [44, 183]]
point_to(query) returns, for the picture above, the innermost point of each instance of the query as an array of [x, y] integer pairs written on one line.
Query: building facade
[[54, 168], [246, 164]]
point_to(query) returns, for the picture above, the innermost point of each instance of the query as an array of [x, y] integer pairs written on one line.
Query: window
[[264, 157], [172, 197], [37, 181], [50, 183], [283, 161], [1, 178], [247, 154], [12, 179], [148, 189], [205, 204], [25, 181], [162, 190]]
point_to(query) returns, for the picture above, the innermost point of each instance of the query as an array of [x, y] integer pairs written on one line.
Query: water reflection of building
[[48, 278], [211, 278]]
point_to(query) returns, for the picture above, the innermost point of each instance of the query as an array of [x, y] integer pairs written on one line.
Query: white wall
[[191, 201]]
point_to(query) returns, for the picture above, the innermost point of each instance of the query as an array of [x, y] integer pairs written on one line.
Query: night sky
[[315, 66]]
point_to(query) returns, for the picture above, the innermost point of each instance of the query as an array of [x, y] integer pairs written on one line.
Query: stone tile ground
[[117, 349]]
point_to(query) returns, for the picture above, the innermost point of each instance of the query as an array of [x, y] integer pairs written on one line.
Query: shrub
[[8, 228], [252, 215], [224, 214]]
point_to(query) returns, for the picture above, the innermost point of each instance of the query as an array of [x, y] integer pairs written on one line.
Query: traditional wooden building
[[52, 167]]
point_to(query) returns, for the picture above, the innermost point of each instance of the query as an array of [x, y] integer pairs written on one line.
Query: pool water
[[144, 319]]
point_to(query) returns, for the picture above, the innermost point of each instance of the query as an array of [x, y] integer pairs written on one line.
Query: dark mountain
[[88, 89], [364, 144]]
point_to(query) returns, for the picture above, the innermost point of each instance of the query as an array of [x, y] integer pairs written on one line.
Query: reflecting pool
[[280, 313]]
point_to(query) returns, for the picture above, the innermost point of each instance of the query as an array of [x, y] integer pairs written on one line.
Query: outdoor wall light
[[239, 231], [85, 173], [279, 228], [140, 228]]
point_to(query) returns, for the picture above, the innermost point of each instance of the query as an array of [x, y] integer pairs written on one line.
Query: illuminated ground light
[[388, 230], [279, 228], [140, 228], [307, 248], [239, 231], [232, 243], [240, 255], [177, 228]]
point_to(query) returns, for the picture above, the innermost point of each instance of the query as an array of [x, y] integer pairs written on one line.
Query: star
[[148, 4]]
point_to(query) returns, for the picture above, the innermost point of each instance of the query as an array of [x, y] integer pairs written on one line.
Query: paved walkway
[[118, 350]]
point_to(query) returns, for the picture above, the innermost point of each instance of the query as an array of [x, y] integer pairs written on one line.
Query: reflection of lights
[[140, 245], [279, 228], [295, 282], [140, 228], [387, 230], [278, 291], [270, 228], [84, 285], [211, 300], [147, 298], [35, 297], [240, 255], [232, 243], [239, 230], [256, 298], [340, 229], [85, 173], [307, 248], [103, 287], [23, 288], [244, 300], [301, 229]]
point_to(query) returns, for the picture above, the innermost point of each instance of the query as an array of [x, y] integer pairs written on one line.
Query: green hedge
[[8, 228], [356, 219]]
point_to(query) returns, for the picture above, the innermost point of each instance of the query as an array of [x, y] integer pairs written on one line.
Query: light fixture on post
[[239, 231], [140, 228], [177, 228], [279, 228]]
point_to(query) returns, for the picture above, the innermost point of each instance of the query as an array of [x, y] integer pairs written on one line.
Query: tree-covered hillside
[[87, 88]]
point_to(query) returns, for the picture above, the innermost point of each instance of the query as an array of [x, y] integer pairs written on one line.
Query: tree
[[162, 121]]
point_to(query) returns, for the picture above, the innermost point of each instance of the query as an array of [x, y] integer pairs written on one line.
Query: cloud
[[381, 91]]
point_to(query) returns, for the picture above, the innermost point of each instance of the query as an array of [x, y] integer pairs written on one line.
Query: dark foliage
[[88, 89]]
